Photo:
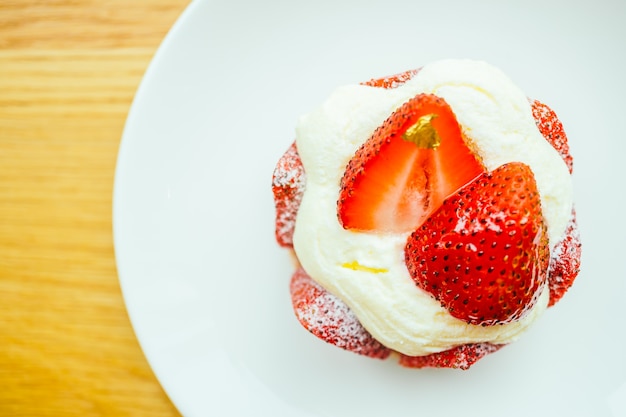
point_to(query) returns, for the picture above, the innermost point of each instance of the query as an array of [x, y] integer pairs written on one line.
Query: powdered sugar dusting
[[551, 129], [288, 183], [328, 318], [392, 81], [459, 357], [565, 257], [564, 261]]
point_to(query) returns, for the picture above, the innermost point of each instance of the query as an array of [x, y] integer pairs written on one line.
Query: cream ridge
[[367, 270]]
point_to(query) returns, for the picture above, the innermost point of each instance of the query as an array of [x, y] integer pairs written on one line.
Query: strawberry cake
[[431, 215]]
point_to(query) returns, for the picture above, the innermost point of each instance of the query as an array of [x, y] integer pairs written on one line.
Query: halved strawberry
[[288, 183], [552, 130], [405, 170], [564, 262], [328, 318], [484, 253], [392, 81], [459, 357]]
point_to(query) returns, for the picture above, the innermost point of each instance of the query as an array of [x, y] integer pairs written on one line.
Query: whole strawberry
[[484, 253]]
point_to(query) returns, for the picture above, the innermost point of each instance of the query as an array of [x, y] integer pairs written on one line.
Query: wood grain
[[68, 73]]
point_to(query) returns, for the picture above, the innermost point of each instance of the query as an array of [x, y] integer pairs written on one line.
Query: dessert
[[431, 215]]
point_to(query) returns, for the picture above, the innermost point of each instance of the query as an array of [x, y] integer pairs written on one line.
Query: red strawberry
[[405, 170], [459, 357], [484, 253], [564, 262], [328, 318], [565, 258], [552, 129], [288, 187], [392, 81]]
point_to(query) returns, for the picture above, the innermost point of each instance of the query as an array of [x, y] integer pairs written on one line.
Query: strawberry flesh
[[393, 182], [484, 253], [327, 316], [330, 319]]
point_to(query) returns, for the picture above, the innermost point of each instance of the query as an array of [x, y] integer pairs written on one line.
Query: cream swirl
[[496, 118]]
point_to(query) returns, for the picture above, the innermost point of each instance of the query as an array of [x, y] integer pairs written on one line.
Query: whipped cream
[[367, 270]]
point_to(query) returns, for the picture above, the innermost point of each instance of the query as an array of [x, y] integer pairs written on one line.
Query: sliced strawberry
[[565, 257], [459, 357], [392, 81], [484, 253], [328, 318], [564, 262], [405, 170], [288, 187], [552, 129]]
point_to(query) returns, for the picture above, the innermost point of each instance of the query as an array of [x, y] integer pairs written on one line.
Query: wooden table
[[68, 73]]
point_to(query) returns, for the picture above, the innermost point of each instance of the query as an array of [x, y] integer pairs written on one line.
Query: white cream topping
[[496, 118]]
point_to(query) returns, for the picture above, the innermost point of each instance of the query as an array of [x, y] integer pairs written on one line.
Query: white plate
[[205, 284]]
